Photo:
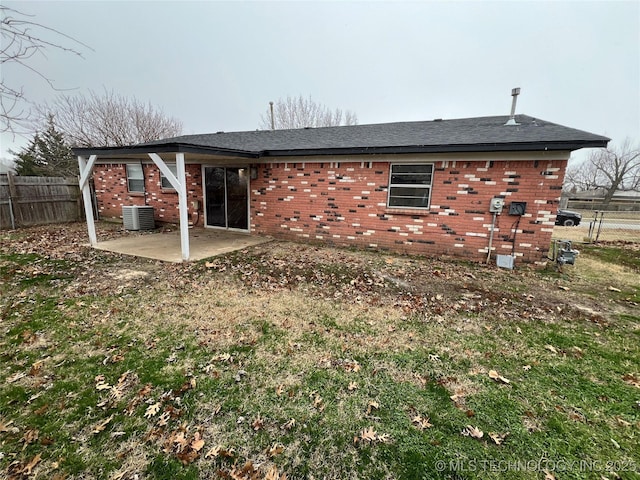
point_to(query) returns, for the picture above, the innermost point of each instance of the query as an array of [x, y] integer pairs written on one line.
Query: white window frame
[[165, 184], [130, 178], [392, 185]]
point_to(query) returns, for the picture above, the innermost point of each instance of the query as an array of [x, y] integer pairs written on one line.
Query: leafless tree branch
[[21, 38], [107, 119], [300, 112], [608, 169]]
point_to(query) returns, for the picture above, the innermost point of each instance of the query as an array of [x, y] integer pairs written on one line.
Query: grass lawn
[[294, 361]]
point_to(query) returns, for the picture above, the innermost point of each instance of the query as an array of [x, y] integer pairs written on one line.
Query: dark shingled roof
[[460, 135]]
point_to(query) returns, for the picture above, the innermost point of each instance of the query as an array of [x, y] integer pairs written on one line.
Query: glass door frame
[[204, 197]]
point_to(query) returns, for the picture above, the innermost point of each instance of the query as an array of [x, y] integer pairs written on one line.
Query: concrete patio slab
[[165, 246]]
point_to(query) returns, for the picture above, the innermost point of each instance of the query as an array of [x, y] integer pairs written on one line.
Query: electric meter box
[[517, 208], [496, 205]]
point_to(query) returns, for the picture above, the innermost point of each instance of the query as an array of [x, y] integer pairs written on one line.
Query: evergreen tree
[[47, 155]]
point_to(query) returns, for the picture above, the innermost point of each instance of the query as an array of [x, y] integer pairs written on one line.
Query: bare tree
[[108, 120], [300, 112], [608, 169], [21, 39]]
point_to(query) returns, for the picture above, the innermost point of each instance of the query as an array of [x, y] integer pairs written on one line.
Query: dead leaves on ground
[[421, 423], [101, 426], [176, 440], [182, 445], [250, 472], [497, 377], [498, 438], [473, 432], [152, 410], [371, 406], [19, 469], [370, 436], [632, 379]]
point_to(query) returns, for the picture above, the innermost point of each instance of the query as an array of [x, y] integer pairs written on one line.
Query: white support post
[[85, 173], [182, 204], [178, 182]]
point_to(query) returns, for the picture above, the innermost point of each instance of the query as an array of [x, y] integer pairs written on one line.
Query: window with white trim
[[164, 181], [135, 178], [410, 185]]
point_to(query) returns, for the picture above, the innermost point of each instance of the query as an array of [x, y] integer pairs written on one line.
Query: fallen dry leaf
[[275, 449], [213, 452], [290, 424], [368, 435], [497, 377], [101, 426], [180, 441], [473, 432], [352, 386], [614, 289], [622, 422], [197, 443], [371, 406], [498, 438], [632, 379], [103, 386], [6, 427], [30, 436], [549, 475], [187, 457], [526, 368], [36, 368], [163, 419], [421, 423], [258, 423], [551, 348], [272, 474], [152, 410], [27, 470]]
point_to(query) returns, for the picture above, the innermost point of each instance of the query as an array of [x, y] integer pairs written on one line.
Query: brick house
[[414, 187]]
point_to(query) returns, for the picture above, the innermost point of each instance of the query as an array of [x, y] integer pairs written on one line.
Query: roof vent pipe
[[273, 126], [512, 118]]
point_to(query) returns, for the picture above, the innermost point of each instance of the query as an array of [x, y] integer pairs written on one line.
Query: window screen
[[164, 181], [135, 178], [410, 185]]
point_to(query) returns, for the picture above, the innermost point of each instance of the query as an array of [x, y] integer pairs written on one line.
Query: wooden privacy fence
[[26, 201]]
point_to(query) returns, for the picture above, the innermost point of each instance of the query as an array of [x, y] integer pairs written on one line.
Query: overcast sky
[[216, 65]]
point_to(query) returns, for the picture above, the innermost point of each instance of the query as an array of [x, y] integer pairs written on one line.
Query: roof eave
[[404, 149], [163, 148], [465, 148]]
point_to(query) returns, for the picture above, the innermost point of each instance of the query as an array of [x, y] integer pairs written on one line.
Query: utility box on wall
[[136, 217], [496, 205]]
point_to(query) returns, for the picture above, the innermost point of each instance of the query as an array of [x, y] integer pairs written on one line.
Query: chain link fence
[[602, 226]]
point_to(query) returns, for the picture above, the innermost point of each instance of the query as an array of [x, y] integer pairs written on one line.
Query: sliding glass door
[[227, 197]]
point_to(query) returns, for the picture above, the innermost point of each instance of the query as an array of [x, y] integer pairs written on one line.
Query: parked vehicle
[[568, 218]]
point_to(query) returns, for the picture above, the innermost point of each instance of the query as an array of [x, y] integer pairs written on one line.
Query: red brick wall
[[345, 204], [111, 190]]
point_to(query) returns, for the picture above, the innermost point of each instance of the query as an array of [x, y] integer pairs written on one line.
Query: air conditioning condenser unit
[[136, 217]]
